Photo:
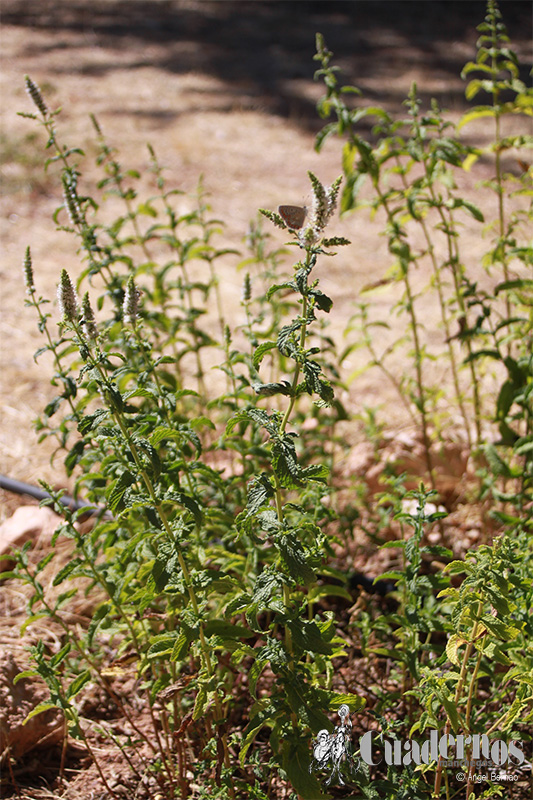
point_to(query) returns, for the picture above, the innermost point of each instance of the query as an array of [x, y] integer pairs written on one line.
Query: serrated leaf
[[27, 673], [182, 643], [307, 636], [336, 700], [186, 501], [452, 647], [268, 583], [477, 113], [162, 645], [265, 714], [293, 555], [316, 472], [259, 492], [278, 286], [261, 351], [98, 615], [118, 489], [286, 338], [65, 571], [497, 465]]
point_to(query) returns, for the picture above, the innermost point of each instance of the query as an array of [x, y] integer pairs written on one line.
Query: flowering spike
[[89, 320], [66, 296], [70, 196], [323, 206], [35, 94], [28, 272], [247, 289], [130, 307]]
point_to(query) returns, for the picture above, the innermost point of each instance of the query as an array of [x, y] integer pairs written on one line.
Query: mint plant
[[411, 165], [217, 504]]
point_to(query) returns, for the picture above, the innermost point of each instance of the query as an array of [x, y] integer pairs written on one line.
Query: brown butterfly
[[294, 216]]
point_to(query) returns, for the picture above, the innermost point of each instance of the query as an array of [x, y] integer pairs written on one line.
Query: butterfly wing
[[294, 216]]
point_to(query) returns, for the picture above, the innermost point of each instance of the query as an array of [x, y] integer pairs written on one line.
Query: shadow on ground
[[263, 51]]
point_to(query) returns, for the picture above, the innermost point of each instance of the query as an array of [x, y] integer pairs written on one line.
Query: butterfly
[[294, 216]]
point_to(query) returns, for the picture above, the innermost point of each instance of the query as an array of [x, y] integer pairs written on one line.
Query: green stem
[[440, 292], [422, 406], [458, 692]]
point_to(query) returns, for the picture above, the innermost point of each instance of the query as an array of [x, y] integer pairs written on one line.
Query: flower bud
[[130, 306], [35, 94], [247, 289], [66, 296], [89, 321], [72, 203], [28, 272]]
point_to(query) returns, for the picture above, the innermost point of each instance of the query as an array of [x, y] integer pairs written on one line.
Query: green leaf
[[182, 643], [65, 571], [451, 709], [477, 113], [286, 338], [78, 683], [458, 202], [259, 492], [497, 465], [307, 636], [97, 617], [261, 351], [330, 590], [519, 283], [27, 673], [226, 630], [56, 659], [118, 489], [278, 286], [323, 302], [45, 706], [316, 472], [265, 714], [452, 647], [203, 698], [268, 583], [162, 645], [186, 501], [335, 700], [296, 757], [270, 389], [294, 557], [285, 462], [257, 415]]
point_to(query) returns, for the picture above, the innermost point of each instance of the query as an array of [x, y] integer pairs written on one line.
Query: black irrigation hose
[[356, 580], [19, 487], [359, 581]]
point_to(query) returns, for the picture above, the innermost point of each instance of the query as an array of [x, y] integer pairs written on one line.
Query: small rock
[[28, 522]]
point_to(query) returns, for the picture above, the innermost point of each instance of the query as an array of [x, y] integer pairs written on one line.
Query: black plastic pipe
[[19, 487]]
